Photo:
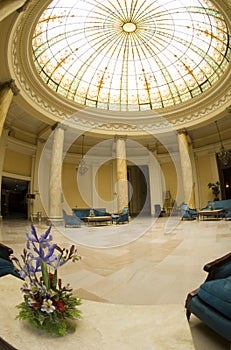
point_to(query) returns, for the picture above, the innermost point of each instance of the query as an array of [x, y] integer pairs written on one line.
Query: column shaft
[[7, 90], [3, 141], [121, 173], [55, 209], [6, 96], [186, 166]]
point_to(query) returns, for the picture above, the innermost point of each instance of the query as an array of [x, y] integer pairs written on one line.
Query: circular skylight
[[130, 55]]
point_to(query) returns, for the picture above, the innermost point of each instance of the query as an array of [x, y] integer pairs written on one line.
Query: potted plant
[[215, 187]]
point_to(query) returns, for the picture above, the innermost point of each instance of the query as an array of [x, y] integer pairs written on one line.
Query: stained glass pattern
[[131, 55]]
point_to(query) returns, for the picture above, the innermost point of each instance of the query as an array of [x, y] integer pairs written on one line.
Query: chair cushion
[[217, 293]]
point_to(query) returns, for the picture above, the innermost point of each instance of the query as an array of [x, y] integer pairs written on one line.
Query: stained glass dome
[[130, 55]]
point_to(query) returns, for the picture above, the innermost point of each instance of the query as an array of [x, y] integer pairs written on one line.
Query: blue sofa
[[82, 213], [211, 302], [224, 204]]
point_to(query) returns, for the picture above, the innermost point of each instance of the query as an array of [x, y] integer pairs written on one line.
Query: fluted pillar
[[7, 91], [121, 173], [186, 166], [55, 203]]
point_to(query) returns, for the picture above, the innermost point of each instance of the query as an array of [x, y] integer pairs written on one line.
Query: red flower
[[60, 305]]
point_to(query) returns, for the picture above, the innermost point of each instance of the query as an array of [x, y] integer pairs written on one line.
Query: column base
[[55, 220]]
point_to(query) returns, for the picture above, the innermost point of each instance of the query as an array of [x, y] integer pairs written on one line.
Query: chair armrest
[[190, 296], [214, 267]]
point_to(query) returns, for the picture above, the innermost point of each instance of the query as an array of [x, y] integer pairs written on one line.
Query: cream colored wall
[[205, 175], [104, 178], [103, 183], [69, 187], [17, 163], [170, 178]]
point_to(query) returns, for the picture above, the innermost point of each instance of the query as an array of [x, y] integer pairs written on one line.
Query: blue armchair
[[187, 213], [71, 220], [121, 217], [211, 302], [6, 265]]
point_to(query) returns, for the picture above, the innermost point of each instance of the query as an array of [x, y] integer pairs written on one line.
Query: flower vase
[[48, 305]]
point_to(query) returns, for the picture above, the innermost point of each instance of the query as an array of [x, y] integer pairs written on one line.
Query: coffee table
[[216, 213], [98, 220]]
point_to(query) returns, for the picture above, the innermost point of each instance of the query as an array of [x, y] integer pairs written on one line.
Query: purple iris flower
[[34, 238], [47, 257]]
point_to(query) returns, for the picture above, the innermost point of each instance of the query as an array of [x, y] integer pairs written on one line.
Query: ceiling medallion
[[129, 27]]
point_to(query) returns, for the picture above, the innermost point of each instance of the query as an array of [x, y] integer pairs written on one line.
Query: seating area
[[84, 213], [218, 209], [87, 215], [211, 302]]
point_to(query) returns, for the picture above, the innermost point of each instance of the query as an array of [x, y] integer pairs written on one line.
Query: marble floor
[[146, 262]]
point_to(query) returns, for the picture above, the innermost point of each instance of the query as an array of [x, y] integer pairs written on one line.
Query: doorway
[[139, 193], [224, 171], [227, 183], [14, 204]]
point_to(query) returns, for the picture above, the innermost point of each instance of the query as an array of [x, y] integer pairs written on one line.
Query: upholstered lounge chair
[[6, 265], [71, 220], [121, 217], [211, 302], [187, 213]]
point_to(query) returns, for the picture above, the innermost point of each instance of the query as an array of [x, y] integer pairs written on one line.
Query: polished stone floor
[[140, 263]]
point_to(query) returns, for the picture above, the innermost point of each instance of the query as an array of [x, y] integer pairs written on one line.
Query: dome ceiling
[[134, 55]]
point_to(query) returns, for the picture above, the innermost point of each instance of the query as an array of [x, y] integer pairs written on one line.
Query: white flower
[[47, 306]]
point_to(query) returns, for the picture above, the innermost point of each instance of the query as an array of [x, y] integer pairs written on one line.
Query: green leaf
[[45, 275], [54, 280]]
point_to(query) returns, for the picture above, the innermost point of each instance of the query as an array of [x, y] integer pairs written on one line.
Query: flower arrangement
[[47, 304], [211, 205], [91, 213]]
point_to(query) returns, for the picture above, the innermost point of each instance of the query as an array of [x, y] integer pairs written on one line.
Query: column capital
[[11, 85], [58, 126], [120, 137], [182, 131], [23, 7]]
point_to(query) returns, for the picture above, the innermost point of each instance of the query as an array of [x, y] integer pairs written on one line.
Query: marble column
[[186, 166], [7, 91], [55, 202], [121, 173], [3, 141]]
